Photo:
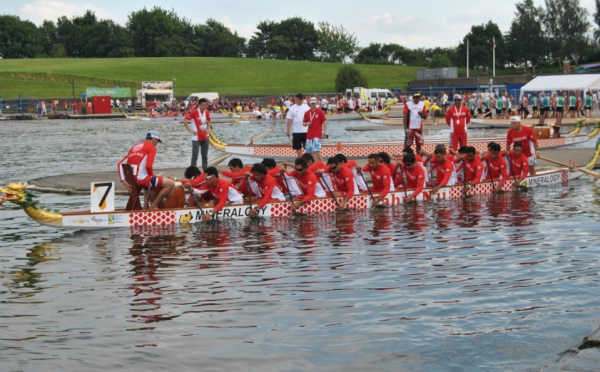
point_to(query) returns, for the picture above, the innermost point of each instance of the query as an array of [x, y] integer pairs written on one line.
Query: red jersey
[[237, 178], [196, 182], [308, 185], [519, 166], [316, 118], [458, 118], [381, 178], [415, 179], [497, 169], [223, 192], [344, 182], [444, 171], [141, 158], [392, 167], [268, 190], [525, 136], [197, 117], [473, 170]]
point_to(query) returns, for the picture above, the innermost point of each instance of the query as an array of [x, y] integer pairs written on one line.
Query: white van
[[373, 94], [210, 96]]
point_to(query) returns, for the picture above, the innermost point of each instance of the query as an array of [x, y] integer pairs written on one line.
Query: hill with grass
[[67, 77]]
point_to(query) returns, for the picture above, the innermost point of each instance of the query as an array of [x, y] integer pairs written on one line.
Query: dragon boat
[[284, 151], [19, 194]]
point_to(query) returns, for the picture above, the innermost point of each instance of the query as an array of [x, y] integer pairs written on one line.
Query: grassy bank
[[54, 78]]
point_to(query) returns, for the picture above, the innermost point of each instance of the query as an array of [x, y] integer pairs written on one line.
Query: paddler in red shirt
[[195, 179], [380, 176], [308, 182], [415, 176], [525, 135], [266, 187], [141, 158], [236, 173], [445, 172], [518, 163], [222, 191], [343, 180], [473, 166], [497, 170]]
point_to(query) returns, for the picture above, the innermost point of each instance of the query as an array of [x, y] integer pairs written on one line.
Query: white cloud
[[39, 10]]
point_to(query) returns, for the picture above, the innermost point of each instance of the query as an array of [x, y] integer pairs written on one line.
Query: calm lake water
[[496, 283]]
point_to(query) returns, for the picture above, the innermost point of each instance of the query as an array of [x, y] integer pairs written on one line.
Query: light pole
[[174, 95], [73, 86]]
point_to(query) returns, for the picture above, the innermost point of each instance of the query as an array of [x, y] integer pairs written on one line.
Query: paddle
[[593, 174], [219, 159], [294, 211], [249, 196], [329, 189], [491, 177], [466, 191], [197, 203], [369, 190], [403, 182]]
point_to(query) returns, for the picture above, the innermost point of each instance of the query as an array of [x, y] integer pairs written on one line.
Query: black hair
[[236, 162], [192, 172], [517, 144], [201, 100], [259, 168], [308, 157], [470, 150], [333, 160], [269, 163], [302, 162], [408, 159], [374, 156], [211, 171], [385, 157], [408, 150], [463, 149], [495, 147], [440, 150], [341, 158]]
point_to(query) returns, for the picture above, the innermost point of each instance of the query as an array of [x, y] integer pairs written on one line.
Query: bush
[[349, 77]]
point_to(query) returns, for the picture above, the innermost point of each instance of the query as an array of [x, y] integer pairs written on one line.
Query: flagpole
[[467, 57], [494, 56]]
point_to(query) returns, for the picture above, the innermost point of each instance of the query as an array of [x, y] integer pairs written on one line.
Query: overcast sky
[[413, 24]]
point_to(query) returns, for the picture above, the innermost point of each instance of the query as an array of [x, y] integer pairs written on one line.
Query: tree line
[[538, 36]]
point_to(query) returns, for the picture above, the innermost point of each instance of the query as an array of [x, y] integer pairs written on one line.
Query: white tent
[[582, 82]]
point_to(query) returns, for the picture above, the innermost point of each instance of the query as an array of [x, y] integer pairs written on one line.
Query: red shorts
[[416, 136]]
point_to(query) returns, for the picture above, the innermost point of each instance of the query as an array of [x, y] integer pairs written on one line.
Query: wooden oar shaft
[[219, 159], [593, 174]]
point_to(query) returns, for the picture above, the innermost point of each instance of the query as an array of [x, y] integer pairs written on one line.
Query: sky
[[412, 24]]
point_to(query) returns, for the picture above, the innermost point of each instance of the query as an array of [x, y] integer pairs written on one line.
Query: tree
[[597, 21], [18, 39], [565, 23], [374, 54], [481, 41], [349, 77], [336, 44], [293, 39], [439, 60], [525, 40], [160, 33], [216, 40]]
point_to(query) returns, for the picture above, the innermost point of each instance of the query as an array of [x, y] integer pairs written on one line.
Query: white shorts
[[532, 160], [313, 145]]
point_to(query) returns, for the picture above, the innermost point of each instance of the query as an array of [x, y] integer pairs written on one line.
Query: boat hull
[[363, 149], [167, 218]]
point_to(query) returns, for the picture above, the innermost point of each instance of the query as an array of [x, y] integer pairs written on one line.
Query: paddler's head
[[517, 149], [440, 154], [154, 137], [334, 164], [301, 166], [259, 172], [374, 161], [495, 150], [409, 161], [310, 160], [235, 165], [212, 176], [470, 153]]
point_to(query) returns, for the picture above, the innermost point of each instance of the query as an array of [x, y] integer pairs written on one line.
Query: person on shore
[[202, 122], [316, 122], [457, 118], [264, 186], [141, 158], [222, 192], [587, 105], [295, 128], [528, 140], [414, 113], [559, 104], [256, 113]]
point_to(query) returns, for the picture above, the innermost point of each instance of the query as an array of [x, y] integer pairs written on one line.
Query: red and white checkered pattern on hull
[[319, 206], [156, 218], [362, 150]]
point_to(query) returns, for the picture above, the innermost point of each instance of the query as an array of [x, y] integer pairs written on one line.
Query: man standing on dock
[[202, 122], [457, 118], [295, 128], [414, 113], [316, 122]]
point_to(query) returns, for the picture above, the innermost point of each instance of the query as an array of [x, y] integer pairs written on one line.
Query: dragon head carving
[[16, 193]]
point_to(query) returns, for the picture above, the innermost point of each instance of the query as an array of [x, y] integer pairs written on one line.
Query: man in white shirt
[[295, 118]]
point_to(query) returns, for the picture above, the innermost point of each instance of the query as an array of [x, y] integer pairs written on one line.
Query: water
[[493, 283]]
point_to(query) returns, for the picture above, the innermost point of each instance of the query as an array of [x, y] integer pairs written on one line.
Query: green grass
[[53, 78]]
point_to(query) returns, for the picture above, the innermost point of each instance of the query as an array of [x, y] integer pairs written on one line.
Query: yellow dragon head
[[15, 193]]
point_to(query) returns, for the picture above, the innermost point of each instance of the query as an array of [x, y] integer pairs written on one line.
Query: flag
[[494, 42]]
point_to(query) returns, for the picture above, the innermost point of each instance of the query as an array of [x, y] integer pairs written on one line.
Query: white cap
[[457, 97], [153, 134], [313, 100], [515, 118]]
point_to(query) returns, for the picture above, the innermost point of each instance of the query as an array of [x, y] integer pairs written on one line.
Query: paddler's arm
[[324, 129]]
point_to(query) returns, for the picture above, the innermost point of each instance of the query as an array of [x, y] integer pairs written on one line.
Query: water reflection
[[26, 278]]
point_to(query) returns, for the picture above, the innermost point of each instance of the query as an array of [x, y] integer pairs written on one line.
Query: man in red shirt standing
[[202, 122], [457, 118], [316, 121], [414, 113], [380, 176], [141, 158], [525, 135]]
